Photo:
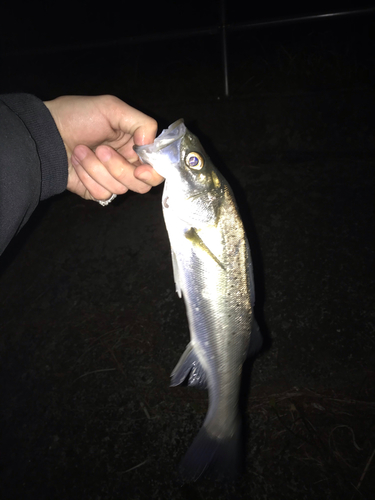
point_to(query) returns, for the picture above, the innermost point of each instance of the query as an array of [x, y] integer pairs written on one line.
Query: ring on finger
[[104, 203]]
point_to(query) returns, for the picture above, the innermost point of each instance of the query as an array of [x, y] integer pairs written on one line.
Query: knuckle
[[122, 190], [108, 99], [154, 124]]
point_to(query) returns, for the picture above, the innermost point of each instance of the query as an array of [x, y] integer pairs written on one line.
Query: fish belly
[[213, 276]]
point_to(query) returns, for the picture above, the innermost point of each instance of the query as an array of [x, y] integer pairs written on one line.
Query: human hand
[[99, 134]]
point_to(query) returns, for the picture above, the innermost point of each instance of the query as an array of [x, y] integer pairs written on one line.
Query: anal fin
[[176, 274], [189, 368]]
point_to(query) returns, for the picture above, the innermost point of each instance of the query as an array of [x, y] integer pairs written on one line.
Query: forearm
[[33, 162]]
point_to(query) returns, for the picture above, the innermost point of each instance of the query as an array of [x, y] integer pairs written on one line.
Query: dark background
[[90, 324], [45, 24]]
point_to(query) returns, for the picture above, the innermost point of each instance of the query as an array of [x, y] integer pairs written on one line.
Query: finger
[[75, 185], [94, 175], [146, 132], [91, 189], [121, 169], [148, 175], [137, 127], [141, 127]]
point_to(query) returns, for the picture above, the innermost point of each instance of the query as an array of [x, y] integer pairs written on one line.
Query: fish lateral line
[[197, 241]]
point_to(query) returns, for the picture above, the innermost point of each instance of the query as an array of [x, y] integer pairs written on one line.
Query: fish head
[[164, 153], [193, 186]]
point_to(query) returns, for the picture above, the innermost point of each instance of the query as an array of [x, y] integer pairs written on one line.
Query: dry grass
[[332, 435]]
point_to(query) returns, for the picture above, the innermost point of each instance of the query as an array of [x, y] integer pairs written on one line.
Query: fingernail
[[104, 153], [74, 160], [80, 154]]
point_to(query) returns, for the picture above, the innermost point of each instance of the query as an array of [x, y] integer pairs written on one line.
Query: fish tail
[[215, 458]]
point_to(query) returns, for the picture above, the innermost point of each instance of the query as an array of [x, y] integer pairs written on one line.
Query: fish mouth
[[173, 133], [169, 135], [164, 152]]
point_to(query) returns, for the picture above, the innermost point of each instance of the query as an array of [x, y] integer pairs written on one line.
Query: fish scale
[[213, 273]]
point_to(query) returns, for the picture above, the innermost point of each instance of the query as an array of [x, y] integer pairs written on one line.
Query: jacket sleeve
[[33, 161]]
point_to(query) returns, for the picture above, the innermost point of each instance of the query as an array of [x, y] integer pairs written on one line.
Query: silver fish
[[213, 273]]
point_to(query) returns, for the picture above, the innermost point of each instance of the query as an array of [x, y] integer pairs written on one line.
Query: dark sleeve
[[33, 161]]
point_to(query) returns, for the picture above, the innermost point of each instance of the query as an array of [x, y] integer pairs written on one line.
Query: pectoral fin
[[197, 241], [176, 274], [189, 366]]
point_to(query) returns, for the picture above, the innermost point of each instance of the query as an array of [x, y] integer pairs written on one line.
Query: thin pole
[[223, 28], [308, 17]]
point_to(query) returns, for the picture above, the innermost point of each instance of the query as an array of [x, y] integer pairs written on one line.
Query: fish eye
[[194, 160]]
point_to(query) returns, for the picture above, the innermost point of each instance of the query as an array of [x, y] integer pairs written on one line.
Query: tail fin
[[215, 458]]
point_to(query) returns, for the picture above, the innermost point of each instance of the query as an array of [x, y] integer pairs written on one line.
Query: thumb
[[146, 132]]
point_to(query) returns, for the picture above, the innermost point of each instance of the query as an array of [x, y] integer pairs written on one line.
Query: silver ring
[[104, 203]]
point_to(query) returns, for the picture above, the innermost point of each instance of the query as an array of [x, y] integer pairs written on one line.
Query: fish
[[213, 273]]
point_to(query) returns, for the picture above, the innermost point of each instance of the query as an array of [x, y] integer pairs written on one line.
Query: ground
[[91, 326]]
